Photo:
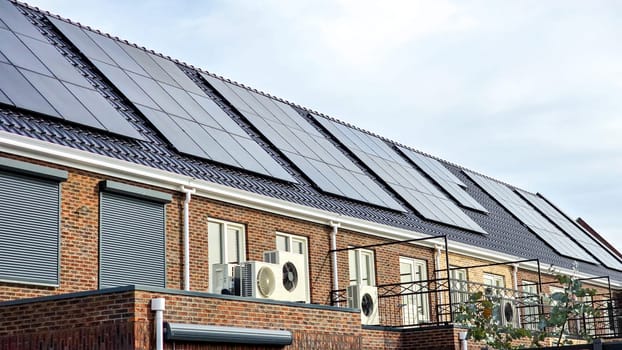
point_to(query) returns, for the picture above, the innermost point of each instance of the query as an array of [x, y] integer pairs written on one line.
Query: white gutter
[[189, 193], [333, 247], [157, 305], [516, 291], [63, 155]]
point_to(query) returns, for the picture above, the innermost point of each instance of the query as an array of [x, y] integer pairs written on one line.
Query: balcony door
[[415, 302]]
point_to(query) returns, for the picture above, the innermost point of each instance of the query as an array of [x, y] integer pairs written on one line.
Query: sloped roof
[[505, 233]]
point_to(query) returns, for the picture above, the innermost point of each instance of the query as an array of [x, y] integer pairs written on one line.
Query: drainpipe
[[516, 292], [189, 193], [437, 262], [157, 305], [333, 247]]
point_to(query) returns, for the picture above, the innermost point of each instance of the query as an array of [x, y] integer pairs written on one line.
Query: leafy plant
[[478, 315]]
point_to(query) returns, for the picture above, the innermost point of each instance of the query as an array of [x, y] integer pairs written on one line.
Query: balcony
[[435, 302]]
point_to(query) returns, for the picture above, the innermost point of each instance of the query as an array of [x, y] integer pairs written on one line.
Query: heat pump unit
[[259, 279], [507, 312], [293, 277], [224, 280], [366, 299]]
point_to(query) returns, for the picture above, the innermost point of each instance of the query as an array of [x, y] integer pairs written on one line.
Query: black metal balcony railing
[[436, 301]]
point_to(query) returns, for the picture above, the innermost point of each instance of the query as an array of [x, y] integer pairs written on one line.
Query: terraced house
[[149, 204]]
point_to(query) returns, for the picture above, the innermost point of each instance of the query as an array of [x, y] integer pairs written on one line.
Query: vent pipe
[[189, 193], [157, 305]]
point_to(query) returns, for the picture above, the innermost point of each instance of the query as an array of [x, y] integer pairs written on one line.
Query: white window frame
[[415, 308], [223, 251], [289, 239], [459, 286], [355, 256], [495, 279]]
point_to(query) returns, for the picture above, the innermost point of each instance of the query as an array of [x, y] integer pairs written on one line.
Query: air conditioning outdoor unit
[[224, 279], [293, 276], [507, 312], [259, 279], [366, 299]]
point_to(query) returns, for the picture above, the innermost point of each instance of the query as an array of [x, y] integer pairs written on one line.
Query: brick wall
[[312, 327]]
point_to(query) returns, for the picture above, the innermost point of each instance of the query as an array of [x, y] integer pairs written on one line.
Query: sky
[[527, 92]]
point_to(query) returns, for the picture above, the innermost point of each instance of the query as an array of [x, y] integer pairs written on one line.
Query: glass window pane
[[214, 243], [233, 245], [352, 266], [281, 243], [298, 246]]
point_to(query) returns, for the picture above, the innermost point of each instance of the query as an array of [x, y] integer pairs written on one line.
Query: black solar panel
[[444, 178], [404, 179], [325, 165], [531, 218], [572, 229], [37, 77], [173, 103]]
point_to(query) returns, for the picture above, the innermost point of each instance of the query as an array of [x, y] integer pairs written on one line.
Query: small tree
[[477, 314], [566, 305]]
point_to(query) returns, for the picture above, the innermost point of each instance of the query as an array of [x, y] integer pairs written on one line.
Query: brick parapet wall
[[51, 316]]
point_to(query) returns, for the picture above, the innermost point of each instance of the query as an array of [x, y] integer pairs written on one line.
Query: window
[[29, 224], [530, 309], [291, 243], [494, 284], [132, 236], [296, 244], [362, 269], [415, 303], [226, 243], [459, 285]]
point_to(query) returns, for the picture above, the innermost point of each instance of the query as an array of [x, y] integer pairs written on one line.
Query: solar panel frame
[[402, 177], [284, 128], [444, 178], [564, 223], [531, 218]]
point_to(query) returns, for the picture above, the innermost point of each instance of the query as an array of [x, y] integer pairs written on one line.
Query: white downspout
[[516, 291], [437, 262], [189, 193], [333, 247], [157, 305]]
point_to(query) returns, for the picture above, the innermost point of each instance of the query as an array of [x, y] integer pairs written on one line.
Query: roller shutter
[[132, 241]]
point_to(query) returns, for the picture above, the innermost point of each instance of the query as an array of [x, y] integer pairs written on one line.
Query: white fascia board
[[83, 160]]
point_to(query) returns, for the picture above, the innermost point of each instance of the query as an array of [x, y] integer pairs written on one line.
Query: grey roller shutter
[[29, 229], [132, 241]]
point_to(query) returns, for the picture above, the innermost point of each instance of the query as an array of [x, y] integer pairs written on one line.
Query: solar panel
[[405, 180], [37, 77], [18, 54], [325, 165], [569, 227], [22, 93], [173, 103], [531, 218], [444, 178], [13, 19], [61, 99]]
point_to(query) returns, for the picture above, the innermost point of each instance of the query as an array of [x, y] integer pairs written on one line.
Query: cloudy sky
[[529, 92]]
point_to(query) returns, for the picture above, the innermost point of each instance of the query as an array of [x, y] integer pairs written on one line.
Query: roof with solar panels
[[70, 85]]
